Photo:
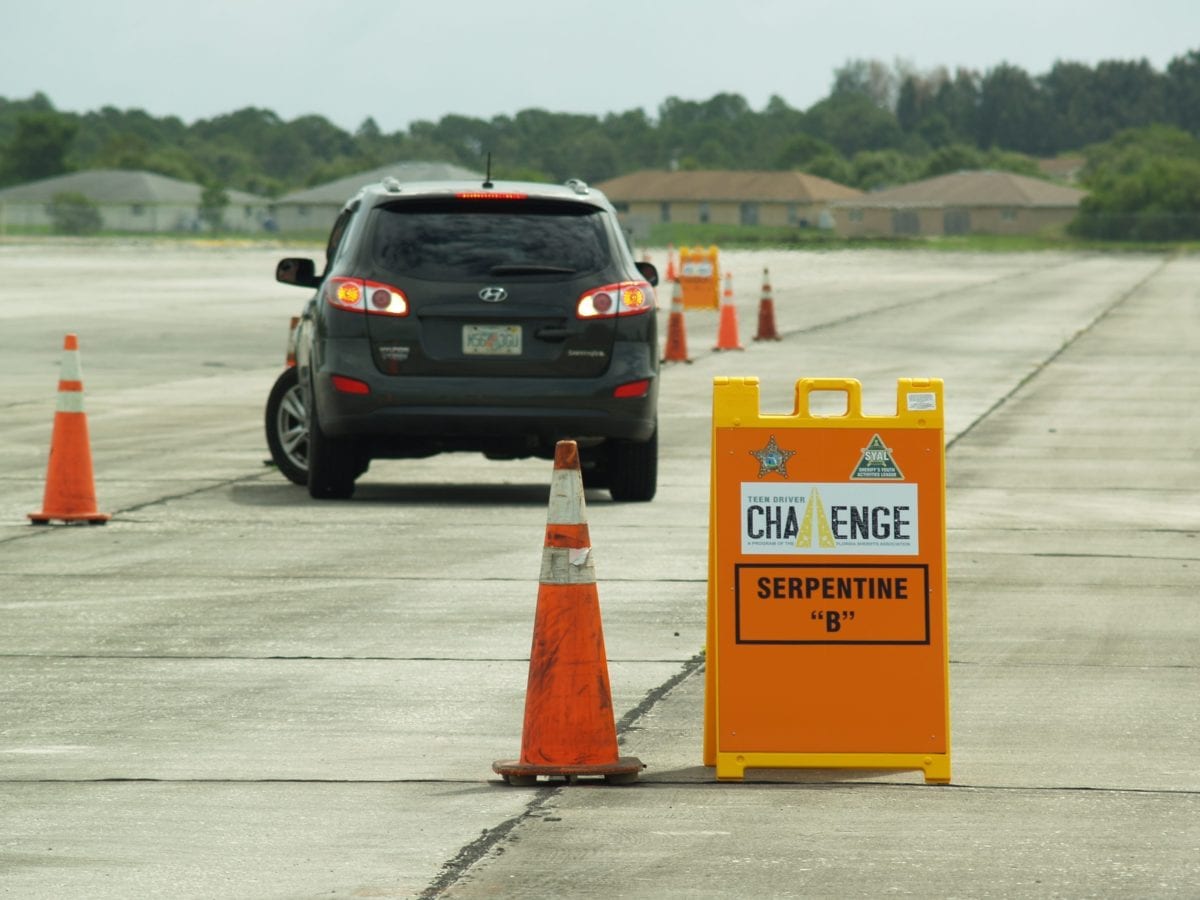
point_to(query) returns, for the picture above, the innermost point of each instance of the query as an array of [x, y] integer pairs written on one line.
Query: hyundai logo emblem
[[493, 294]]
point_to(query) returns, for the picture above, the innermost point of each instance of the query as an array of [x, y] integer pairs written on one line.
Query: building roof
[[338, 192], [1064, 168], [735, 186], [103, 186], [976, 188]]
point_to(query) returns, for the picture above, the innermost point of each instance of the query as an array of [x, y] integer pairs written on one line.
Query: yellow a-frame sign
[[827, 627]]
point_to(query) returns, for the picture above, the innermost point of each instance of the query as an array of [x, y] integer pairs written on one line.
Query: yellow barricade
[[700, 277], [827, 631]]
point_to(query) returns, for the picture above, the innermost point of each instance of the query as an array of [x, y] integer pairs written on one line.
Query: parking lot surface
[[232, 690]]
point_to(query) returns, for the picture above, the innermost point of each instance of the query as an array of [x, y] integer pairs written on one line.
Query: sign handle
[[851, 387]]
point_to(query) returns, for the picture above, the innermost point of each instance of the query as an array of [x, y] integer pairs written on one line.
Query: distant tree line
[[880, 125]]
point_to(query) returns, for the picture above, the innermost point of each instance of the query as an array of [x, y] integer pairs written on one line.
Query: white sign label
[[838, 519], [922, 402]]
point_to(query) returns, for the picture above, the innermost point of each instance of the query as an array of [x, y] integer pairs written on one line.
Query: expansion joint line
[[1053, 357], [156, 501], [915, 301], [453, 870]]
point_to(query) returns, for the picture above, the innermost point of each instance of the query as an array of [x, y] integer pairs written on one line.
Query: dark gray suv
[[496, 318]]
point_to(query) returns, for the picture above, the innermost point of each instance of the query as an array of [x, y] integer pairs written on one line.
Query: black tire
[[333, 463], [287, 427], [594, 466], [633, 469]]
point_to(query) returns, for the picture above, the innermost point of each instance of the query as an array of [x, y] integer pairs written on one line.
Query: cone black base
[[90, 519], [623, 771]]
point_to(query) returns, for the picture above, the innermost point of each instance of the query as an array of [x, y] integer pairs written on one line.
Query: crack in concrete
[[454, 869]]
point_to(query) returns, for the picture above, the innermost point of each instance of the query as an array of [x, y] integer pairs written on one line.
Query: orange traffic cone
[[676, 350], [766, 312], [672, 275], [290, 358], [70, 492], [569, 730], [727, 330]]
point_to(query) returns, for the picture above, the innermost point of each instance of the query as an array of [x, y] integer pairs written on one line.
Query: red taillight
[[633, 389], [344, 385], [359, 295], [623, 299], [491, 195]]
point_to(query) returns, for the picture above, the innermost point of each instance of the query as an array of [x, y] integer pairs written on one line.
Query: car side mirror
[[649, 272], [298, 271]]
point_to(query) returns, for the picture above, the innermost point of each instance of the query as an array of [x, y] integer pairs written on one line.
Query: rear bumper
[[481, 413]]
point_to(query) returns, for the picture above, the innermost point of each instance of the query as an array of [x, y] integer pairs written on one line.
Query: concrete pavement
[[231, 690]]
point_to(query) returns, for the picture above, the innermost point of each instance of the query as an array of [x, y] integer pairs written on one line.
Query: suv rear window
[[463, 240]]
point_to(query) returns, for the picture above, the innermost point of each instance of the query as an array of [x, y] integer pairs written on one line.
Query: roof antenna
[[487, 179]]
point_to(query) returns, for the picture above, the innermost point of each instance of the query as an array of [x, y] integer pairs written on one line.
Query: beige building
[[959, 203], [127, 201], [722, 198]]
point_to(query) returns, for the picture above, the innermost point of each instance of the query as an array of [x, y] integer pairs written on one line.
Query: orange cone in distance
[[727, 329], [672, 275], [766, 312], [569, 731], [676, 349], [290, 357], [70, 490]]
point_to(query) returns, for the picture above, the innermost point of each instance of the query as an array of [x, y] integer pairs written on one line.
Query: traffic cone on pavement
[[766, 312], [569, 730], [70, 490], [727, 329], [672, 275], [676, 349]]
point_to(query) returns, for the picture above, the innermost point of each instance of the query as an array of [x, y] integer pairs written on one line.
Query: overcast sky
[[400, 61]]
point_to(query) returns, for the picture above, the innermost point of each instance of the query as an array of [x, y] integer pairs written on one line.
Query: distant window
[[855, 215], [704, 212], [748, 213], [793, 213], [621, 206], [906, 221], [664, 212], [137, 209], [956, 221], [1008, 214]]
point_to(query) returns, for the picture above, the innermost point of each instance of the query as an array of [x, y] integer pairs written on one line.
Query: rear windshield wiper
[[529, 269]]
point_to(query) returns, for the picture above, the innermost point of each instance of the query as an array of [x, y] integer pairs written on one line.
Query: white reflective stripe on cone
[[70, 401], [566, 498], [567, 565], [71, 369]]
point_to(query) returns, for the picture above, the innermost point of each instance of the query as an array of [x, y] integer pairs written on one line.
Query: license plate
[[491, 340]]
